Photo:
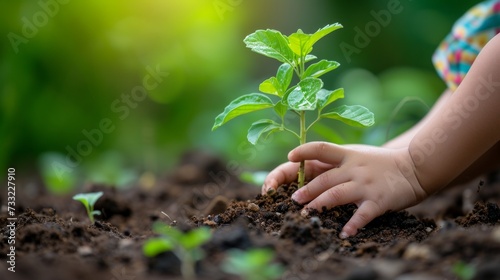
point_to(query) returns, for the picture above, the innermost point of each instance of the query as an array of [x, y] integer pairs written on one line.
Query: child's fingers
[[322, 151], [339, 195], [367, 211], [320, 184], [285, 173]]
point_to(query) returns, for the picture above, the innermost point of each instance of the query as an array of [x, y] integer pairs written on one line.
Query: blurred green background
[[73, 73]]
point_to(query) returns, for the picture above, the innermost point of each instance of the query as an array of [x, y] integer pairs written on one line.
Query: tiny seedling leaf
[[320, 68], [354, 115], [326, 97], [88, 200], [464, 271], [261, 128], [303, 97], [195, 238], [156, 246], [270, 43], [252, 264], [242, 105], [167, 231]]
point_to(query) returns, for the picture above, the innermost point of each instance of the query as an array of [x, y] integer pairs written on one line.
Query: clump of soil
[[55, 240]]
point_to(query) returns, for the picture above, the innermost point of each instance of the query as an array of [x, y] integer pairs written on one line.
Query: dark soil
[[55, 240]]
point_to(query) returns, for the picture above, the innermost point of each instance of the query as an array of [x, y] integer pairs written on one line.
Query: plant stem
[[303, 131], [187, 266]]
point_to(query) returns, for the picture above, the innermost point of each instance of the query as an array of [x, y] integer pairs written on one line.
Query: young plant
[[307, 95], [254, 264], [88, 200], [186, 246], [463, 271]]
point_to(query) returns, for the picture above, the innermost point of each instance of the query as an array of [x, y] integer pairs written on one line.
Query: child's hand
[[375, 179]]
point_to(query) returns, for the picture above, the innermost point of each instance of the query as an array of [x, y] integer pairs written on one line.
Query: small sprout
[[186, 246], [254, 264], [88, 200], [463, 271]]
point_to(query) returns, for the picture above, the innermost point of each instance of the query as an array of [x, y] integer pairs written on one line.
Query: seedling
[[308, 95], [463, 271], [186, 246], [88, 200], [254, 264]]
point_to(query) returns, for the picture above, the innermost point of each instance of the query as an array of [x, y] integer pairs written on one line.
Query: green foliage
[[186, 246], [254, 264], [109, 169], [56, 178], [463, 271], [256, 178], [88, 200], [307, 94]]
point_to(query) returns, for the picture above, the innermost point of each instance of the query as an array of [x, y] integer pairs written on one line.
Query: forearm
[[488, 162], [457, 136]]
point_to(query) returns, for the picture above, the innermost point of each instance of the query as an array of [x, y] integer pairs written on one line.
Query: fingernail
[[343, 235], [296, 196]]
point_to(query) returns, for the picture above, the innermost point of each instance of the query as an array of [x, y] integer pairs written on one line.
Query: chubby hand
[[375, 179]]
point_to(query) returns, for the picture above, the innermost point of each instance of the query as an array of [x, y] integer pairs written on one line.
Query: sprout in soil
[[88, 200], [463, 271], [185, 245], [254, 264], [307, 95]]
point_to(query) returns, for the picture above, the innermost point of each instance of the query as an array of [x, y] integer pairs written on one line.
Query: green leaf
[[326, 97], [278, 85], [309, 57], [354, 115], [284, 77], [270, 43], [319, 68], [271, 86], [321, 33], [88, 199], [298, 42], [302, 44], [252, 264], [195, 238], [280, 109], [303, 97], [260, 128], [167, 231], [242, 105], [156, 246]]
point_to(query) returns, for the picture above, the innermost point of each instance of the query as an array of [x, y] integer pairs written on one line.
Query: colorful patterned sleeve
[[469, 34]]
